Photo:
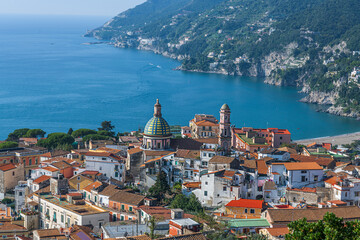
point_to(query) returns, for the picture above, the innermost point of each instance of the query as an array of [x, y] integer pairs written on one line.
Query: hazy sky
[[67, 7]]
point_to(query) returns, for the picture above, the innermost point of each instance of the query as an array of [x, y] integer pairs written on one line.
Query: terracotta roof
[[261, 167], [54, 232], [313, 214], [325, 162], [287, 149], [337, 202], [51, 169], [91, 186], [109, 190], [140, 237], [193, 236], [88, 172], [279, 231], [184, 153], [156, 153], [208, 140], [134, 150], [246, 203], [61, 165], [334, 180], [41, 179], [160, 212], [55, 153], [9, 227], [192, 184], [206, 123], [102, 154], [123, 196], [221, 159], [349, 168], [7, 167], [302, 166], [249, 164], [81, 233], [270, 185], [303, 189]]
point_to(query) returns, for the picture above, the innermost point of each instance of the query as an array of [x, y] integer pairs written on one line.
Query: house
[[274, 153], [103, 193], [9, 230], [282, 217], [186, 132], [204, 126], [326, 163], [21, 191], [38, 183], [123, 205], [218, 188], [244, 208], [76, 232], [188, 187], [299, 174], [54, 154], [10, 175], [223, 162], [57, 212], [253, 139], [79, 182], [65, 168], [246, 226], [110, 165], [182, 226], [308, 195], [346, 189], [160, 213], [274, 233], [28, 156]]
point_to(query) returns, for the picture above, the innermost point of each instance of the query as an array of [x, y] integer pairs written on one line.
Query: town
[[207, 180]]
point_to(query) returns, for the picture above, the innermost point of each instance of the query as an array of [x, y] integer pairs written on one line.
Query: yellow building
[[244, 208]]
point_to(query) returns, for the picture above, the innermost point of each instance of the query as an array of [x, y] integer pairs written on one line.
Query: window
[[260, 188], [316, 178], [62, 218], [78, 178], [206, 183], [130, 209], [357, 194], [95, 200], [20, 193], [30, 162], [13, 173], [303, 171], [303, 178], [204, 154], [116, 174], [246, 210], [122, 218], [224, 188], [252, 211], [114, 217], [280, 138], [122, 207], [100, 168], [55, 217], [76, 223], [103, 158], [204, 128], [205, 193]]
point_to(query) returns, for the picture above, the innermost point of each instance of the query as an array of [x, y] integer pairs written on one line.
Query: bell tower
[[224, 128]]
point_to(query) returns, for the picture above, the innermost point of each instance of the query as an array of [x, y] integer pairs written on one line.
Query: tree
[[330, 227], [105, 133], [152, 227], [18, 133], [160, 187], [35, 133], [70, 131], [82, 132], [106, 126], [95, 137], [8, 144], [189, 204], [56, 141]]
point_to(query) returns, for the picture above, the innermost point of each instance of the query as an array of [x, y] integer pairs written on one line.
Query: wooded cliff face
[[311, 44]]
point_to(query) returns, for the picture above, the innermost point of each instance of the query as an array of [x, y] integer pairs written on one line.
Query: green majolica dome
[[157, 126]]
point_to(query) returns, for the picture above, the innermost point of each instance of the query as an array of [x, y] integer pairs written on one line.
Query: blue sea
[[50, 79]]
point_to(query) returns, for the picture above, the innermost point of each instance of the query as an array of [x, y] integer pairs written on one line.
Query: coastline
[[335, 140]]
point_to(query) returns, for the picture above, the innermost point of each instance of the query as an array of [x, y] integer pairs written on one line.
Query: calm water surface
[[49, 79]]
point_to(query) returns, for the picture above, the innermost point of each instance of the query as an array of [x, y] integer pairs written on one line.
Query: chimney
[[177, 213]]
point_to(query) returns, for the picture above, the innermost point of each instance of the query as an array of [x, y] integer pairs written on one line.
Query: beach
[[335, 140]]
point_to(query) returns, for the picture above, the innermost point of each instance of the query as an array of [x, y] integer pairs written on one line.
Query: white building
[[275, 154], [57, 212], [299, 174], [110, 165], [344, 189], [219, 188]]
